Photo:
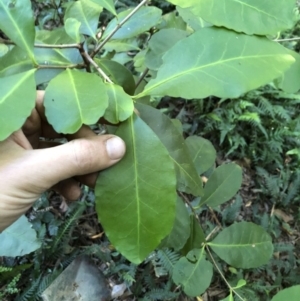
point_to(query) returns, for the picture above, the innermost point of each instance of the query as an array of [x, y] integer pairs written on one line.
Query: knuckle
[[82, 154]]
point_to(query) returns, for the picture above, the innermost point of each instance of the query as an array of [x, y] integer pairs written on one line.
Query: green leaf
[[17, 22], [18, 239], [243, 245], [3, 49], [108, 4], [87, 13], [72, 27], [196, 238], [17, 91], [135, 199], [193, 21], [290, 294], [222, 185], [122, 45], [119, 74], [160, 43], [202, 153], [218, 62], [188, 179], [145, 18], [181, 228], [74, 98], [228, 298], [14, 61], [250, 16], [120, 104], [171, 20], [193, 273], [290, 81]]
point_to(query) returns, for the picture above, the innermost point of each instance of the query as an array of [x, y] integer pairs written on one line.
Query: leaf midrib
[[241, 245], [202, 67], [190, 177], [75, 93], [20, 82], [28, 49], [257, 9], [135, 160], [205, 201]]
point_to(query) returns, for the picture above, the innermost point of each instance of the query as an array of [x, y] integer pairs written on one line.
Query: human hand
[[29, 167]]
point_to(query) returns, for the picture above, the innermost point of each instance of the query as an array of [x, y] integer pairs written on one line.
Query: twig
[[190, 205], [220, 272], [61, 46], [285, 40], [215, 217], [100, 71], [100, 46], [78, 66], [142, 77], [217, 228]]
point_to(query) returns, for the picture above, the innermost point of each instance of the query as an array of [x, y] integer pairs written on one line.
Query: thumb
[[75, 158]]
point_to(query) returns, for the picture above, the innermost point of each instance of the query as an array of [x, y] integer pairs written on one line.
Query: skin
[[29, 166]]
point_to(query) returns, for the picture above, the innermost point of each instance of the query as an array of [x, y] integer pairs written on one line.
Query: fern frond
[[29, 293], [167, 259], [161, 294], [63, 234]]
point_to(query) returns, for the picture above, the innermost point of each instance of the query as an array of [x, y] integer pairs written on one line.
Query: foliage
[[119, 63]]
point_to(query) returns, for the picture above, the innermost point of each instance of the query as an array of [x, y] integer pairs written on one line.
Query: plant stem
[[142, 77], [92, 62], [285, 40], [100, 46], [220, 272], [190, 205], [61, 46], [77, 66]]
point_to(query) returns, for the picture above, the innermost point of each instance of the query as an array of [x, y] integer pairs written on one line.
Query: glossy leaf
[[290, 81], [136, 198], [15, 61], [250, 16], [202, 153], [218, 62], [87, 13], [222, 185], [243, 245], [17, 91], [196, 238], [145, 18], [188, 179], [181, 228], [289, 294], [17, 22], [160, 43], [120, 104], [74, 98], [18, 239], [72, 27], [107, 4], [193, 273], [119, 74], [193, 21]]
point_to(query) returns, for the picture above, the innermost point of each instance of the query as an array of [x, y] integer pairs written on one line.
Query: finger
[[78, 157], [69, 189], [19, 138]]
